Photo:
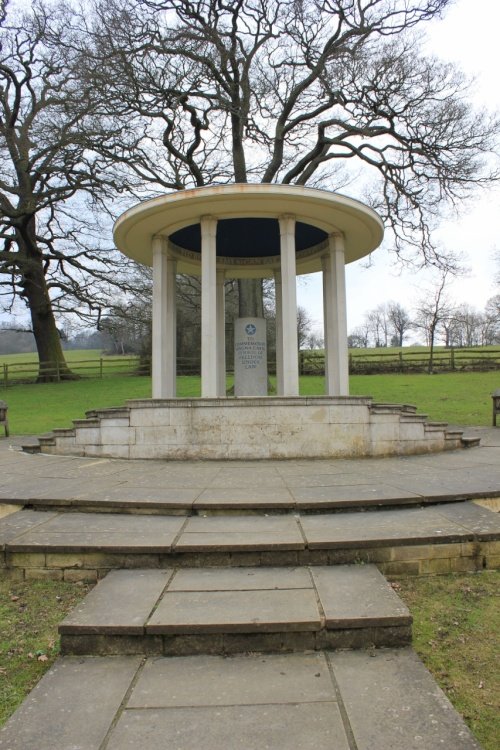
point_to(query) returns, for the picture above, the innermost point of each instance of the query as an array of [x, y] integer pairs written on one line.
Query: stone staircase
[[180, 612], [226, 616]]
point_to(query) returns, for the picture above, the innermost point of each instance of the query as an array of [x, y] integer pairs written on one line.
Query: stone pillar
[[221, 334], [250, 357], [209, 350], [335, 318], [279, 331], [164, 321], [289, 307]]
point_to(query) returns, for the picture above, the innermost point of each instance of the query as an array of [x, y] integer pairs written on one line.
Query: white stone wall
[[251, 428]]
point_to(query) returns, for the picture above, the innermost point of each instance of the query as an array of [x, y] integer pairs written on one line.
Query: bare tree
[[304, 323], [316, 92], [466, 326], [359, 336], [491, 324], [379, 325], [399, 321], [50, 254], [433, 308]]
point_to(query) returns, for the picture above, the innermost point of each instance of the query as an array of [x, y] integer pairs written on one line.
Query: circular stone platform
[[248, 236]]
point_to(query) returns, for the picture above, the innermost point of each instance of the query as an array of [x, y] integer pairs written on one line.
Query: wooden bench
[[3, 417], [496, 405]]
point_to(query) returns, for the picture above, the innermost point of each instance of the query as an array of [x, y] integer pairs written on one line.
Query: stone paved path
[[367, 699], [348, 700]]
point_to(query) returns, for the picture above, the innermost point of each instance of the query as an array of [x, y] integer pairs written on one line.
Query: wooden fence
[[104, 367], [411, 361], [310, 363]]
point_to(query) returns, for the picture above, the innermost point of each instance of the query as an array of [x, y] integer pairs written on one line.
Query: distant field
[[84, 362], [459, 398], [70, 354]]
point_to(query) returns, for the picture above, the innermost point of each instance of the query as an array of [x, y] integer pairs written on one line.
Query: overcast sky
[[467, 35]]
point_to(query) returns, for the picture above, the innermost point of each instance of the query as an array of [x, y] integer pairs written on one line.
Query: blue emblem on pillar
[[250, 329]]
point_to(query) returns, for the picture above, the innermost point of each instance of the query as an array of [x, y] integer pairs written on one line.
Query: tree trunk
[[430, 369], [52, 364], [251, 303]]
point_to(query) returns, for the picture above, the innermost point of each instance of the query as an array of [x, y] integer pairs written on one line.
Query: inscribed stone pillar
[[250, 357], [289, 307], [335, 318], [164, 322], [209, 351]]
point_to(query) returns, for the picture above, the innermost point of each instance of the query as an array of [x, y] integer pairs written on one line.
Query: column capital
[[287, 224], [208, 224], [336, 241], [159, 243]]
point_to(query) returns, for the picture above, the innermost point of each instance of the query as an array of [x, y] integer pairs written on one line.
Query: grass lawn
[[459, 398], [29, 615], [456, 633], [456, 626]]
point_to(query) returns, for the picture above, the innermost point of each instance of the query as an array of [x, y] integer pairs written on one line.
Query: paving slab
[[253, 497], [376, 528], [316, 726], [14, 524], [73, 705], [358, 596], [240, 533], [266, 611], [112, 523], [236, 680], [264, 524], [345, 496], [447, 485], [128, 495], [95, 541], [97, 531], [240, 579], [262, 477], [239, 542], [480, 520], [393, 702], [120, 604]]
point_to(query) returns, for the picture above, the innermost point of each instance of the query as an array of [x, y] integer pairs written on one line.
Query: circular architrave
[[360, 226]]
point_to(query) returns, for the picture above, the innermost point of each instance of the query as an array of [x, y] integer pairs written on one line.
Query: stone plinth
[[253, 428]]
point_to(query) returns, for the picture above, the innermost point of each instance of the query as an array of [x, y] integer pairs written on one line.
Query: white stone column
[[221, 334], [335, 318], [164, 321], [209, 350], [289, 307], [279, 331]]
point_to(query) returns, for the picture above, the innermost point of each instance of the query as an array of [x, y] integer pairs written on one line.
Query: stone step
[[112, 412], [436, 426], [380, 408], [187, 496], [470, 442], [193, 611], [84, 546], [369, 700]]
